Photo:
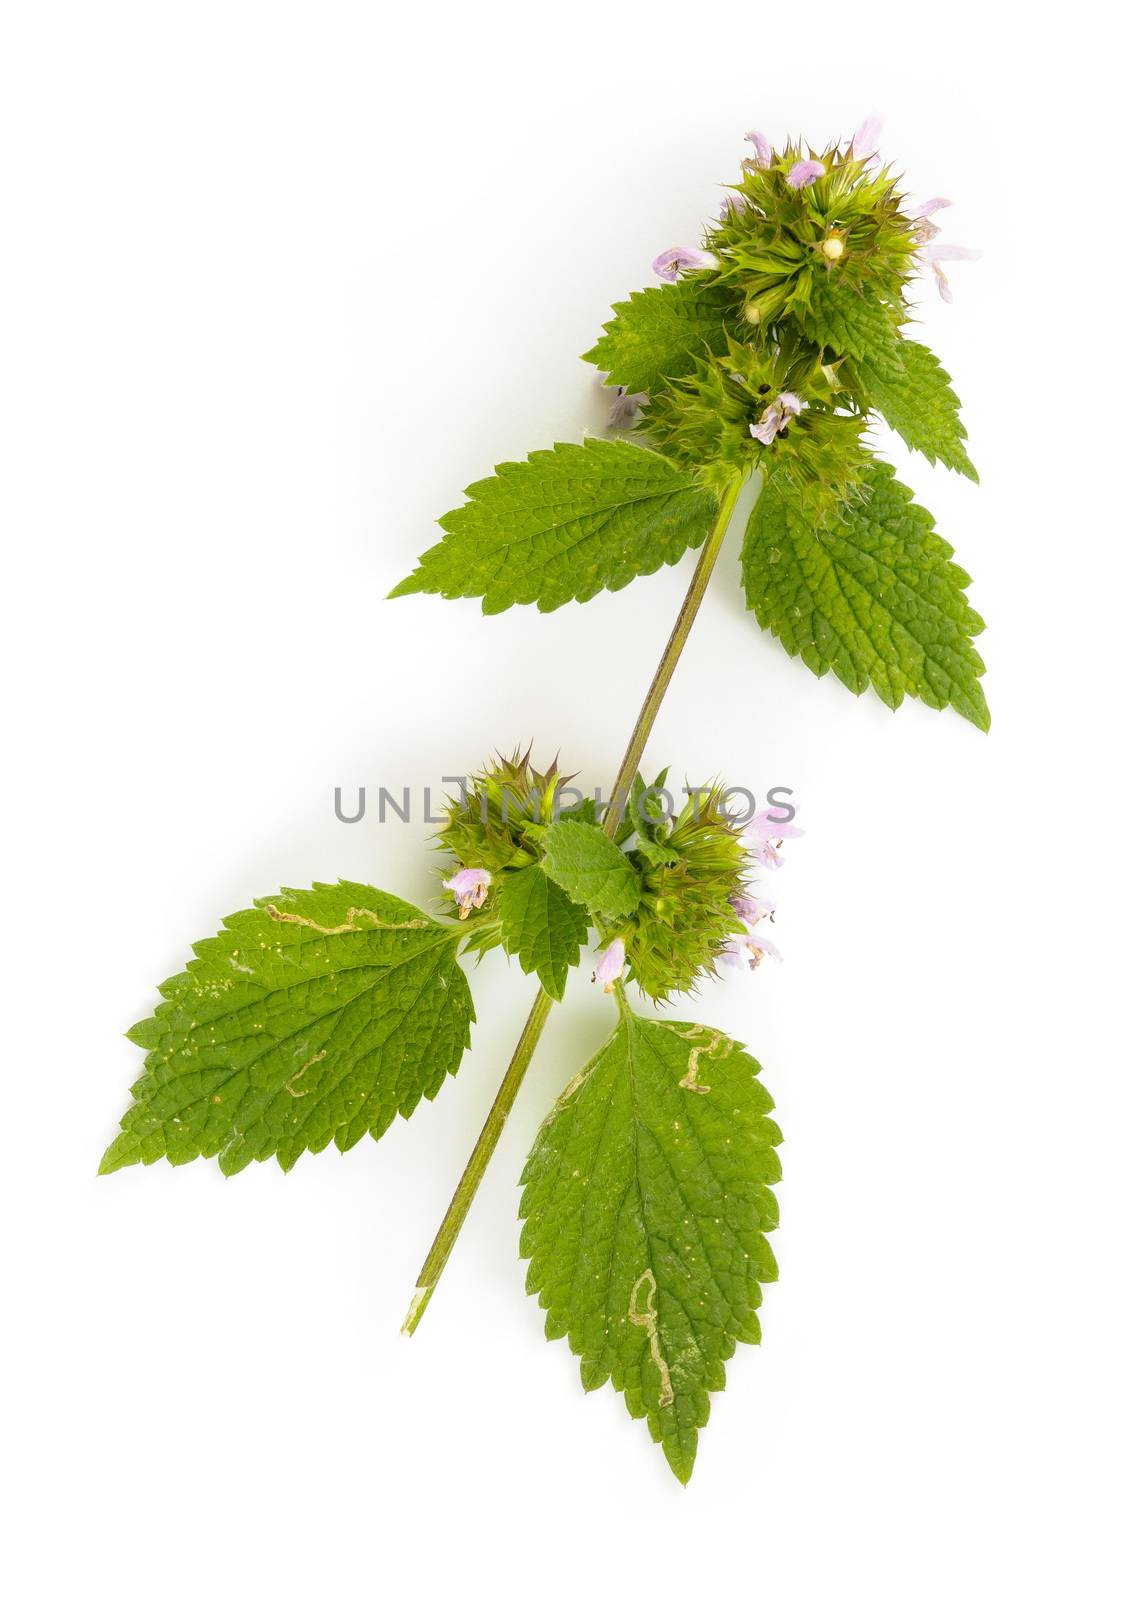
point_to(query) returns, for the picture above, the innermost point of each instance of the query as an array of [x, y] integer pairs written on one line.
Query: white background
[[278, 281]]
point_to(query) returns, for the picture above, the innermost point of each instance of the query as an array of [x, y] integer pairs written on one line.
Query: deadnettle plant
[[322, 1015]]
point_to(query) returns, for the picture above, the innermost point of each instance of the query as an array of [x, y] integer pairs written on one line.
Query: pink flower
[[752, 909], [760, 144], [864, 141], [925, 231], [625, 407], [469, 886], [776, 417], [747, 949], [804, 173], [933, 254], [923, 227], [609, 966], [672, 263], [768, 835]]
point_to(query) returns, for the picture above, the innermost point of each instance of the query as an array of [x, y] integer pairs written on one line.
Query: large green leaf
[[322, 1014], [564, 525], [541, 926], [646, 1207], [921, 406], [855, 324], [661, 333], [870, 595], [589, 867]]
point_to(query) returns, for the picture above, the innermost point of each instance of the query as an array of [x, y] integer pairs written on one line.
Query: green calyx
[[497, 823], [500, 823], [690, 868], [704, 421]]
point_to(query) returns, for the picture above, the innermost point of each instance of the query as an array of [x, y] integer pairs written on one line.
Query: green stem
[[641, 732], [449, 1229]]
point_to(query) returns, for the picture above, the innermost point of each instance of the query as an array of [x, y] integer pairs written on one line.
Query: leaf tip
[[119, 1154], [679, 1461], [979, 714]]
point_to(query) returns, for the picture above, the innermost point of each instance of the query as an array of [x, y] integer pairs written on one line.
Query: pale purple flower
[[470, 886], [776, 417], [925, 231], [759, 948], [732, 203], [923, 227], [768, 426], [752, 908], [625, 407], [609, 966], [804, 173], [759, 142], [864, 142], [768, 836], [933, 254], [670, 265], [747, 949]]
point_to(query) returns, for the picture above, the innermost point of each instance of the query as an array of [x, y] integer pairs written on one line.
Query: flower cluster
[[793, 219], [496, 823], [697, 911], [811, 259], [496, 827], [773, 406]]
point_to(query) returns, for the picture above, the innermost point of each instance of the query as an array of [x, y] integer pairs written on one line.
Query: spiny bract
[[691, 868]]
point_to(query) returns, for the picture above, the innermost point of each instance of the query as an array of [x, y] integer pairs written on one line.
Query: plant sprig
[[323, 1014]]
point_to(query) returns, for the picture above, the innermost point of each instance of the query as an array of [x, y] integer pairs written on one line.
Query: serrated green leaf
[[646, 1207], [649, 836], [661, 333], [586, 810], [564, 525], [871, 595], [322, 1014], [590, 868], [854, 324], [921, 406], [541, 926], [659, 854]]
